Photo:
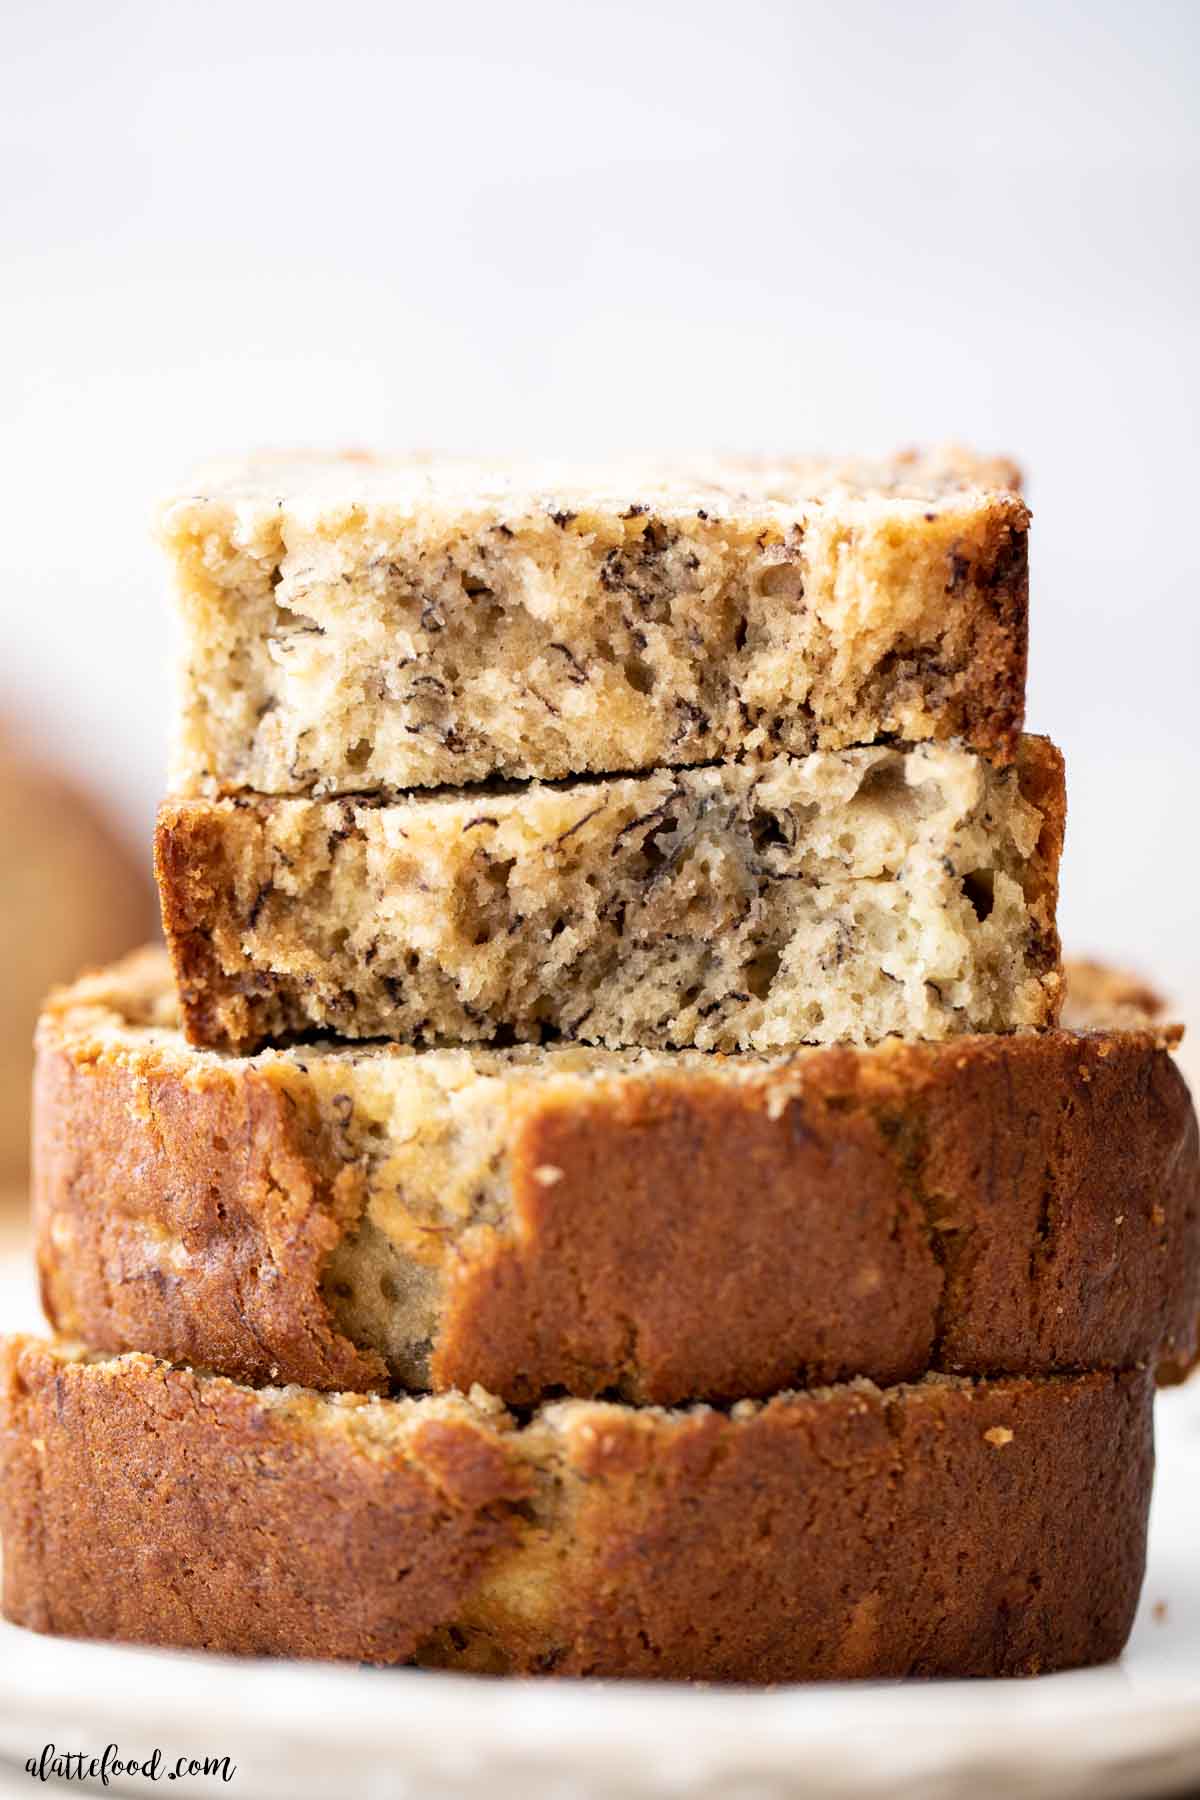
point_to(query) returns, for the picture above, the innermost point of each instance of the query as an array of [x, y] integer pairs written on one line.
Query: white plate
[[311, 1732]]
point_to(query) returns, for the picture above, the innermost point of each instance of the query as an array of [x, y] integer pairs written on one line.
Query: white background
[[556, 227]]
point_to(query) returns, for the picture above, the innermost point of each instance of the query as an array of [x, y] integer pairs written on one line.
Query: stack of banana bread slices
[[602, 1184]]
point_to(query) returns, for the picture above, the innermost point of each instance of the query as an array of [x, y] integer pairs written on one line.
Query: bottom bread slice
[[948, 1528]]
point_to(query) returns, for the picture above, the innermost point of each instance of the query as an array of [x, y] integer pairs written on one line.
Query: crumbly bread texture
[[666, 1226], [352, 624], [842, 896], [944, 1529]]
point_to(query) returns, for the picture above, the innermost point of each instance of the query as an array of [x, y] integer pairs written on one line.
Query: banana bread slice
[[949, 1528], [667, 1226], [846, 895], [353, 624]]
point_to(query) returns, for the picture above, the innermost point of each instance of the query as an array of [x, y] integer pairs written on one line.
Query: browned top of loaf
[[667, 1226], [946, 1529], [321, 487]]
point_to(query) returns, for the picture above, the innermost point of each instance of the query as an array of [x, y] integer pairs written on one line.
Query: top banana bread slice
[[362, 625]]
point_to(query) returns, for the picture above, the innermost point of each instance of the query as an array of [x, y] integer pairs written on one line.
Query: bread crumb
[[483, 1402], [546, 1175], [780, 1095], [62, 1232], [1158, 1612], [999, 1435]]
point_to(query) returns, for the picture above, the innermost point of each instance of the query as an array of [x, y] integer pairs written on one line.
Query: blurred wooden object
[[14, 1219], [72, 895]]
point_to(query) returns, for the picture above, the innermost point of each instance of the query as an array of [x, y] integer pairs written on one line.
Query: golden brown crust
[[975, 1564], [974, 680], [1012, 1205], [244, 1173], [1041, 772], [181, 1468], [942, 1530], [195, 886], [689, 1227]]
